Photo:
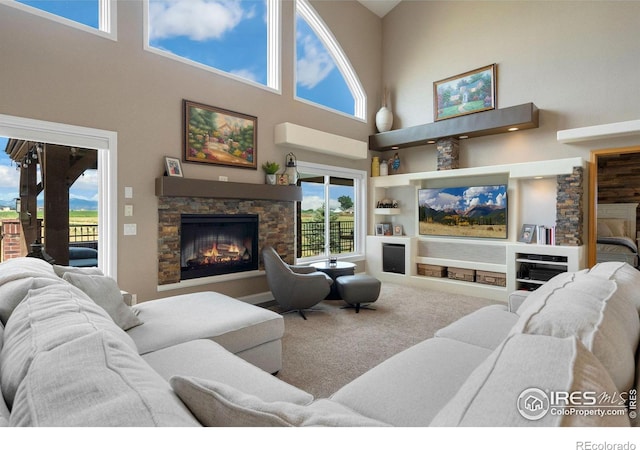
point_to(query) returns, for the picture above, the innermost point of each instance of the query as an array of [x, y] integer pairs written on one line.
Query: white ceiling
[[380, 7]]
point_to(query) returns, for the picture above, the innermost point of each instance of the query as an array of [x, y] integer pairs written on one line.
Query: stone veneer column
[[570, 209], [448, 153]]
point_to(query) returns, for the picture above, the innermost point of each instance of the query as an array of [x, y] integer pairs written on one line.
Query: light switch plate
[[128, 210], [128, 192]]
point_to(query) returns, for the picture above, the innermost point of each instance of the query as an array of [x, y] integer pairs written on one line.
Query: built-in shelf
[[387, 211], [189, 187], [485, 123]]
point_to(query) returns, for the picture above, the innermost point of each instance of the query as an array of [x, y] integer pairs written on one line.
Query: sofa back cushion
[[594, 310], [17, 276], [46, 318], [512, 386], [97, 381], [626, 277]]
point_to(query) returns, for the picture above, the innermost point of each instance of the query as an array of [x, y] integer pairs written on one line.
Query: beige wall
[[58, 74], [577, 61]]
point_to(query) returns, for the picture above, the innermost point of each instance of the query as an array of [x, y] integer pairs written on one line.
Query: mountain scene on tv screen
[[472, 211]]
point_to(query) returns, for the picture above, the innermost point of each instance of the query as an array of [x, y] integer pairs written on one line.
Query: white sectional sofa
[[65, 361]]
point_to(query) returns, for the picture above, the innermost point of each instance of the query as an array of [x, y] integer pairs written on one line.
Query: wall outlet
[[128, 192], [130, 229]]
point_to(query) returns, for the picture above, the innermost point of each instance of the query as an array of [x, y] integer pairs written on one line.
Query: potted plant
[[271, 168]]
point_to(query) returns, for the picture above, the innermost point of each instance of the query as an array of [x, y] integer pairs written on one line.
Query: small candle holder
[[333, 261]]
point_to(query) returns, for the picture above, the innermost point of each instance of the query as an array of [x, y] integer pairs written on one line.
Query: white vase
[[384, 119]]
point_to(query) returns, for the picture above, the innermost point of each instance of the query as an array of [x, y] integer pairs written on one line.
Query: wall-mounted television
[[464, 211]]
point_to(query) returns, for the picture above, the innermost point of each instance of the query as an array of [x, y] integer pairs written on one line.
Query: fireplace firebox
[[217, 244]]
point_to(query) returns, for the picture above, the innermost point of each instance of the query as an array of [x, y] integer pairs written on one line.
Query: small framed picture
[[283, 179], [172, 166], [386, 229], [397, 230], [379, 229], [527, 233]]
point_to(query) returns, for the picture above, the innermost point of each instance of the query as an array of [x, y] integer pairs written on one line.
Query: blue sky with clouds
[[228, 34], [463, 198]]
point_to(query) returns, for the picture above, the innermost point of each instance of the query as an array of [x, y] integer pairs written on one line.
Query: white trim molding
[[296, 136], [609, 130]]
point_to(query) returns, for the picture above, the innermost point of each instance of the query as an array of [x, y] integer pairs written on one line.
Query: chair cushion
[[95, 381], [408, 389], [626, 276], [218, 405], [486, 327], [593, 309], [61, 270], [525, 369], [106, 293], [206, 359], [234, 324]]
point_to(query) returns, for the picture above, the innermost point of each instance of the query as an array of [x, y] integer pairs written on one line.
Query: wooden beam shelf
[[485, 123], [189, 187]]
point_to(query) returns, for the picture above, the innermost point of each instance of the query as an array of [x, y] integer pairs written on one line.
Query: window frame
[[359, 178], [324, 34], [274, 49], [107, 18]]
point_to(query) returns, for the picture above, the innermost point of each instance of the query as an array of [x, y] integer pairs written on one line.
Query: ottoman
[[357, 290]]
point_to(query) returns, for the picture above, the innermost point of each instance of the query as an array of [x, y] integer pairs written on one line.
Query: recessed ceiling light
[[431, 142], [538, 178], [513, 129], [463, 137], [395, 147]]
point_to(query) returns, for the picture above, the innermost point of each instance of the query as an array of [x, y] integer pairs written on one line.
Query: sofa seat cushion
[[104, 291], [410, 388], [95, 381], [17, 277], [487, 327], [594, 310], [234, 324], [46, 318], [206, 359], [515, 381], [217, 405]]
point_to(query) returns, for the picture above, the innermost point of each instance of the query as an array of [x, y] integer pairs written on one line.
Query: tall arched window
[[324, 74]]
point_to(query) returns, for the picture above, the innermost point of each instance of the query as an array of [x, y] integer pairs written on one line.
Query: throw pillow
[[216, 404], [61, 270], [106, 293]]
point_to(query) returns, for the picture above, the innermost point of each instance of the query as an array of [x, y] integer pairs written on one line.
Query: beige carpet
[[335, 346]]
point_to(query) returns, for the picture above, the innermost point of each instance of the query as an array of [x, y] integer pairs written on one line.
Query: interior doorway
[[625, 183]]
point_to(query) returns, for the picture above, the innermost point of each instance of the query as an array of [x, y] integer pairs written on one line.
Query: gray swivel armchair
[[295, 288]]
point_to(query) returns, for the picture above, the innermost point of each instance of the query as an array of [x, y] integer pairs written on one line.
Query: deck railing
[[312, 238]]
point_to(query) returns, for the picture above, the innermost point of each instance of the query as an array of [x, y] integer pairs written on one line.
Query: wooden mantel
[[189, 187], [484, 123]]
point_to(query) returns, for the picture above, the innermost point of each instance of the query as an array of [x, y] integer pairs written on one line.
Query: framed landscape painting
[[467, 93], [218, 136]]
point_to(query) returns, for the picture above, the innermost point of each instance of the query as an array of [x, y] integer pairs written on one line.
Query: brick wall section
[[11, 239], [448, 153], [570, 208], [276, 227]]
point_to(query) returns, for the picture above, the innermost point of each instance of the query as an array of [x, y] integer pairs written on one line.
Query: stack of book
[[545, 235]]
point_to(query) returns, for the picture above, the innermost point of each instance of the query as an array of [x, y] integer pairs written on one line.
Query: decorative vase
[[271, 178], [375, 166], [384, 119]]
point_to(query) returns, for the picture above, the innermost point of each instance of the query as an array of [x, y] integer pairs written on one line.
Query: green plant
[[271, 167]]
